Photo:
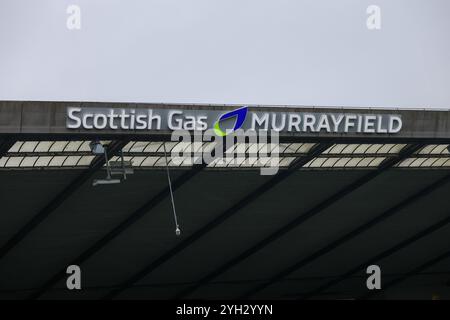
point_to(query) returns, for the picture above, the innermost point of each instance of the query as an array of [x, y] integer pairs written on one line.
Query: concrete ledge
[[41, 118]]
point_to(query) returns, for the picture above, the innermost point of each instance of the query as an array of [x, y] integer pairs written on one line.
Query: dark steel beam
[[401, 245], [354, 233], [388, 163], [230, 282], [131, 219], [96, 164], [280, 176]]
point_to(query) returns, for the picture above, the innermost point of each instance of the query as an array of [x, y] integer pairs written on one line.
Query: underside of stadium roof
[[310, 231]]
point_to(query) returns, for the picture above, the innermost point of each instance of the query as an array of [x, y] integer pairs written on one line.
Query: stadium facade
[[356, 187]]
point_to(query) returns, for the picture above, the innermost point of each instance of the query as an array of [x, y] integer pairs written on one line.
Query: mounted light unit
[[105, 181], [112, 167], [97, 148]]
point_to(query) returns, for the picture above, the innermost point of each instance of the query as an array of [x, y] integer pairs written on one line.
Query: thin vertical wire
[[177, 230]]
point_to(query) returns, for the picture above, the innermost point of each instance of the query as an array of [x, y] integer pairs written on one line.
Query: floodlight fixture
[[112, 167], [105, 181], [97, 148]]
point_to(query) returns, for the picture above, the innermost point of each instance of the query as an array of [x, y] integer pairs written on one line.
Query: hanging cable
[[177, 229]]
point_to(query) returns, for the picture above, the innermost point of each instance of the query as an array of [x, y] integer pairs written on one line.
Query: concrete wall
[[29, 118]]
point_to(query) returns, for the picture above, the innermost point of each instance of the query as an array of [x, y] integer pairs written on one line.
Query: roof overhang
[[39, 118]]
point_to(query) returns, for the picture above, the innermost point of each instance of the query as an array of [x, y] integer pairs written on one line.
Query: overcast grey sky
[[296, 52]]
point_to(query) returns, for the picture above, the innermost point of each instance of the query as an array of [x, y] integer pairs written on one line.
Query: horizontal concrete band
[[29, 117]]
